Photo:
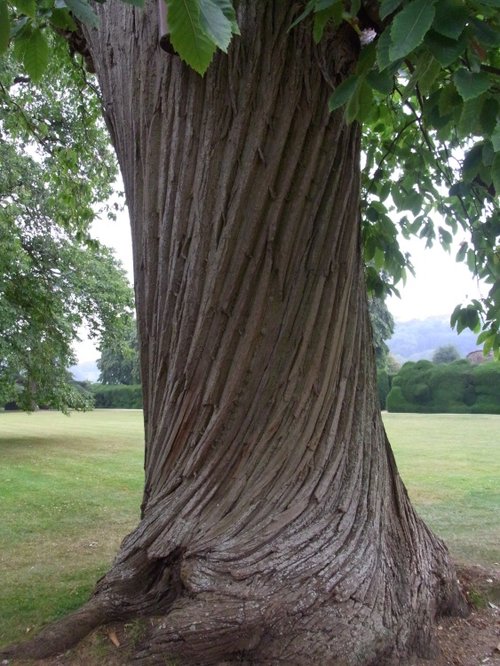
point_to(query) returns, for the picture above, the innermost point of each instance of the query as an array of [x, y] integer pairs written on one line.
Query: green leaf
[[472, 162], [36, 55], [321, 5], [428, 71], [495, 174], [495, 138], [364, 94], [379, 258], [366, 59], [226, 6], [355, 6], [188, 36], [410, 27], [383, 82], [472, 320], [343, 93], [21, 41], [310, 7], [215, 24], [26, 7], [451, 18], [489, 114], [485, 33], [388, 7], [323, 17], [469, 122], [445, 50], [470, 84], [383, 45], [61, 18], [488, 154], [445, 237], [454, 316], [83, 11], [462, 251], [414, 202], [449, 99], [484, 336], [4, 26], [471, 261]]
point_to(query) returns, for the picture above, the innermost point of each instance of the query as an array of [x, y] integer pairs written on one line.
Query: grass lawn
[[70, 489], [450, 464]]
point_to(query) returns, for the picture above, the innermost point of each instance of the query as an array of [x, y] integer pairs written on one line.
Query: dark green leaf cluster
[[430, 83], [26, 23]]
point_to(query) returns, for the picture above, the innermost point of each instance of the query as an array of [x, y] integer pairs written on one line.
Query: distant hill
[[419, 338]]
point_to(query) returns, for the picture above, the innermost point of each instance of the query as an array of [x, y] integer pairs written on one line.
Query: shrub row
[[456, 388], [117, 396]]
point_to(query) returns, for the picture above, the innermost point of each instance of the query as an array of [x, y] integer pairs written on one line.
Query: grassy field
[[70, 489], [450, 464]]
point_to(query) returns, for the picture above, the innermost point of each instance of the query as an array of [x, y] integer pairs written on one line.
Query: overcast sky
[[440, 283]]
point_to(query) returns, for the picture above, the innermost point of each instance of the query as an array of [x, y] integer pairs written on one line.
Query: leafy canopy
[[53, 277], [425, 90]]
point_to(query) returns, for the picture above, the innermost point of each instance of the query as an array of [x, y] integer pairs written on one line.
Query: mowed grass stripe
[[70, 490]]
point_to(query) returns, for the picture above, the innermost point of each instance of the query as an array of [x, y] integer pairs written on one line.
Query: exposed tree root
[[61, 635]]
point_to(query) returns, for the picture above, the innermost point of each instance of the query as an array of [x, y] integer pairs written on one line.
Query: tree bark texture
[[275, 528]]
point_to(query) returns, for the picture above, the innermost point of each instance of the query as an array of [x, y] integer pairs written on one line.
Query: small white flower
[[367, 36]]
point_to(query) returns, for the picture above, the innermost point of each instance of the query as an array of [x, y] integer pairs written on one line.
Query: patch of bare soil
[[475, 640], [472, 641]]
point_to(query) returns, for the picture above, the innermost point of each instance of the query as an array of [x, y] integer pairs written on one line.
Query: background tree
[[393, 366], [446, 354], [119, 361], [53, 277], [382, 328], [272, 503]]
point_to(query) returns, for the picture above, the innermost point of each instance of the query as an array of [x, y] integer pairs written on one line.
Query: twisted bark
[[275, 528]]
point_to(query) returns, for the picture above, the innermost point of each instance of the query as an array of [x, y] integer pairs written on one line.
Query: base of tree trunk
[[199, 617]]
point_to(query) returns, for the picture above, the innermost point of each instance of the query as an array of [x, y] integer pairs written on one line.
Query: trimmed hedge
[[455, 388], [117, 396]]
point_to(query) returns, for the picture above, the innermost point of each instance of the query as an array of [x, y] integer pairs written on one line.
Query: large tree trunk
[[275, 528]]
